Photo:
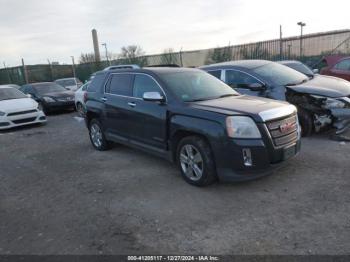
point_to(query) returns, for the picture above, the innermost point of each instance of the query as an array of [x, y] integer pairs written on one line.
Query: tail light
[[85, 97]]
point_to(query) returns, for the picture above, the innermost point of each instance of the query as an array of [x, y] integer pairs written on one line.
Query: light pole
[[105, 45], [301, 24], [73, 66]]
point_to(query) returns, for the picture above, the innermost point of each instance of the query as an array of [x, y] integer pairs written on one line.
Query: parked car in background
[[339, 69], [50, 96], [17, 109], [191, 118], [300, 67], [71, 83], [321, 101], [14, 85], [80, 97]]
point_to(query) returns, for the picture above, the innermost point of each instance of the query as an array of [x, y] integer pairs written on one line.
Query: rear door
[[119, 103], [149, 117]]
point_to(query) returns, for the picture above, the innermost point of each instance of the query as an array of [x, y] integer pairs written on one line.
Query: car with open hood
[[17, 109], [50, 96], [192, 119], [321, 101]]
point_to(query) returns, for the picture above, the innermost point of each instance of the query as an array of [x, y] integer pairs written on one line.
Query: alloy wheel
[[191, 162]]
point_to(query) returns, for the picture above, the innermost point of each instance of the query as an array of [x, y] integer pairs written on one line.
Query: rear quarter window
[[97, 83]]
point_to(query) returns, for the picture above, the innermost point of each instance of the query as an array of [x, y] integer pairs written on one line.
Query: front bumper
[[59, 105], [342, 119], [230, 162], [7, 122]]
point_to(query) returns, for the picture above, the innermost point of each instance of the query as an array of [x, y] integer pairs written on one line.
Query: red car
[[338, 67]]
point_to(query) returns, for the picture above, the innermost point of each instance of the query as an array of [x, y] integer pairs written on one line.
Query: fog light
[[247, 157]]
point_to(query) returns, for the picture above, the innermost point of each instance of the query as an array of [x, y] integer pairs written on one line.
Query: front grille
[[22, 112], [283, 131], [25, 120]]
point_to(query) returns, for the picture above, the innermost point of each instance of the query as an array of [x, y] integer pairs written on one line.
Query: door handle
[[104, 99], [132, 104]]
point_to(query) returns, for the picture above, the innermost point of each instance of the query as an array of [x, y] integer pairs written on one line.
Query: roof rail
[[121, 67], [164, 65]]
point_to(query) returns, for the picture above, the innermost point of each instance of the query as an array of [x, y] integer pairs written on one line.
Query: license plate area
[[289, 152]]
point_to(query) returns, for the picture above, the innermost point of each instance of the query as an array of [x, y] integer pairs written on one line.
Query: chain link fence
[[314, 48]]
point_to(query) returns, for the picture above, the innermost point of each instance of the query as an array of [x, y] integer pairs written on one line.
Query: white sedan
[[16, 109], [80, 99]]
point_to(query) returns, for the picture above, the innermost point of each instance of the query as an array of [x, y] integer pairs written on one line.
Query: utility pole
[[25, 72], [51, 69], [73, 66], [301, 24], [289, 49], [8, 73], [106, 50], [181, 56], [281, 44]]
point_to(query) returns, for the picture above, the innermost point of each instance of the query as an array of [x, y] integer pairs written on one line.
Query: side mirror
[[316, 71], [29, 95], [153, 97], [256, 87]]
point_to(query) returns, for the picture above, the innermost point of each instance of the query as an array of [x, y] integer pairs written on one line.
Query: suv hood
[[260, 109], [324, 86]]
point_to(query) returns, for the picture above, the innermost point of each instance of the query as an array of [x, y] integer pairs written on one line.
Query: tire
[[306, 122], [195, 161], [80, 110], [97, 137]]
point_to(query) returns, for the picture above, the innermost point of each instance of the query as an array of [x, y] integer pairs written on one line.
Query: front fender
[[213, 131]]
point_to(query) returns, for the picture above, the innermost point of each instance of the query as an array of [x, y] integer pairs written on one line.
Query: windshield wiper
[[227, 95], [297, 83]]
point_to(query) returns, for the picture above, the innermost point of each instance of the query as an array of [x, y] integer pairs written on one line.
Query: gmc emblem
[[286, 127]]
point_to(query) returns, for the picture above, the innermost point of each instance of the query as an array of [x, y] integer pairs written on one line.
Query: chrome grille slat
[[281, 137], [22, 112]]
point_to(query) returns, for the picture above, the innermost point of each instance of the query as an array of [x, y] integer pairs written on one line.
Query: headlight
[[333, 103], [48, 99], [2, 113], [241, 127]]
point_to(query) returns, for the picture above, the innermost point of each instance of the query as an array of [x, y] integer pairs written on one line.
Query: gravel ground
[[60, 196]]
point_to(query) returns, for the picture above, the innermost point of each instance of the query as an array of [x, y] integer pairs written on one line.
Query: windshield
[[43, 89], [66, 82], [280, 75], [10, 93], [301, 68], [196, 86]]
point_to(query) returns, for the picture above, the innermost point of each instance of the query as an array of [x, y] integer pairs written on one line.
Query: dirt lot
[[60, 196]]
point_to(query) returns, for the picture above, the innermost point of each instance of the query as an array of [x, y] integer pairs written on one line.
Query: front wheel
[[97, 137], [306, 122], [196, 161]]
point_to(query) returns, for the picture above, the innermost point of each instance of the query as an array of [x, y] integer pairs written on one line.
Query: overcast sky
[[38, 30]]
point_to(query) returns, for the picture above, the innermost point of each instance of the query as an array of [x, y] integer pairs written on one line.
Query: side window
[[143, 84], [216, 73], [238, 79], [120, 84], [343, 65], [96, 83]]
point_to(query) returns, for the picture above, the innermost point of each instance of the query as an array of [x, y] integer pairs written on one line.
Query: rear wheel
[[80, 110], [306, 122], [97, 137], [195, 160]]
